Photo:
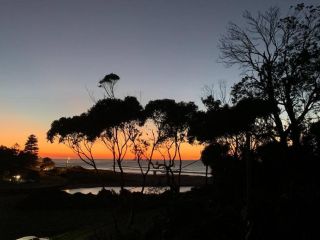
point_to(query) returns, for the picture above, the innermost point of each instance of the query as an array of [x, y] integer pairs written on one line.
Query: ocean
[[189, 167]]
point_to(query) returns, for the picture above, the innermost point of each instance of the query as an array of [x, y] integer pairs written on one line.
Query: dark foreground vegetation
[[110, 216], [198, 214], [263, 149], [42, 209]]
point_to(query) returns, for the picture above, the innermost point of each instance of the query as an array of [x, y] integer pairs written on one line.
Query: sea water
[[189, 167]]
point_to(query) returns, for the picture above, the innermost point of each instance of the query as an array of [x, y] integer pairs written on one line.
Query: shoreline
[[86, 178], [77, 177]]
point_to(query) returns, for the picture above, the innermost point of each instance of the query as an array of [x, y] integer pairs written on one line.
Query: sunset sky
[[53, 52]]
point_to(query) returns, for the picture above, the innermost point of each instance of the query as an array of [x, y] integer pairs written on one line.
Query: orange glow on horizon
[[61, 151], [16, 129]]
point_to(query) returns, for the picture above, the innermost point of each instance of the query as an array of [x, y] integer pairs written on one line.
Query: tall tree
[[216, 127], [212, 155], [78, 133], [116, 122], [31, 145], [144, 147], [171, 121], [108, 83], [280, 58]]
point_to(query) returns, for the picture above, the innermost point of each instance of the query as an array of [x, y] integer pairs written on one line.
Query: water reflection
[[148, 190]]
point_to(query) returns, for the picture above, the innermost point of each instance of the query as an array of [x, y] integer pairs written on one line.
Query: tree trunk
[[144, 178], [95, 167], [270, 91], [179, 175], [121, 175], [114, 166], [295, 137], [206, 175], [248, 175]]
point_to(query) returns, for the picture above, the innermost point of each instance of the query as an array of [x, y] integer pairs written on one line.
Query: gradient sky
[[52, 51]]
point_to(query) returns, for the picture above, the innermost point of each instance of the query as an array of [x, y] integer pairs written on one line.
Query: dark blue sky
[[52, 50]]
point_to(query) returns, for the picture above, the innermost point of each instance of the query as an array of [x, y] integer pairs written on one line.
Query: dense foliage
[[263, 149]]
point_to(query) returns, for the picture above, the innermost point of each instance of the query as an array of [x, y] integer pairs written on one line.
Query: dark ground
[[41, 209]]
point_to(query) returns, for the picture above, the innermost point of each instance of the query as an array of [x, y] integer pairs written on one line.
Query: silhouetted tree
[[47, 164], [171, 121], [212, 154], [143, 149], [312, 139], [78, 133], [148, 142], [227, 121], [14, 160], [216, 127], [184, 113], [280, 58], [8, 158], [115, 124], [210, 103], [108, 83], [31, 145]]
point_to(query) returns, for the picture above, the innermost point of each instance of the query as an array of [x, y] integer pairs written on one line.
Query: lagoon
[[148, 190]]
